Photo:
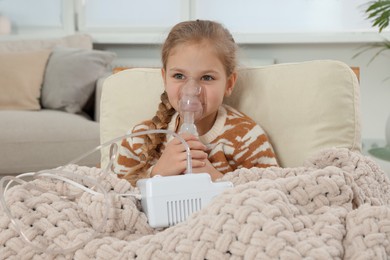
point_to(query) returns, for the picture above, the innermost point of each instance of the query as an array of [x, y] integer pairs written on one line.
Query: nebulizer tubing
[[60, 174], [153, 131], [47, 248]]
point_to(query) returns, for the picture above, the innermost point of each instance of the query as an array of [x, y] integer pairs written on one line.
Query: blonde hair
[[187, 32], [203, 30]]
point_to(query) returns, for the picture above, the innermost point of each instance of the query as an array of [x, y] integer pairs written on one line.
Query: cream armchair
[[304, 107]]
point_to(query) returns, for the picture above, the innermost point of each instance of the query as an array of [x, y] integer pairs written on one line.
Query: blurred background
[[268, 32]]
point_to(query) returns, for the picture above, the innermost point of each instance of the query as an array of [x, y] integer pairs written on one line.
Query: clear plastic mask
[[192, 104]]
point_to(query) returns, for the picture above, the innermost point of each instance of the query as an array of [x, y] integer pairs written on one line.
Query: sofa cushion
[[21, 76], [44, 139], [82, 41], [70, 77]]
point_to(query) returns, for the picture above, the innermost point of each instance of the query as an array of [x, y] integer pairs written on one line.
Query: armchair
[[304, 107]]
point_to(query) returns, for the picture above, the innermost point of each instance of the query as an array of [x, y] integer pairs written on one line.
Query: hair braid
[[151, 149]]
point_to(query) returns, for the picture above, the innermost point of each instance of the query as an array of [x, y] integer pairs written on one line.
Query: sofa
[[47, 102]]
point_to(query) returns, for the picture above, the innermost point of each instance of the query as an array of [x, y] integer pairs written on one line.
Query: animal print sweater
[[235, 141]]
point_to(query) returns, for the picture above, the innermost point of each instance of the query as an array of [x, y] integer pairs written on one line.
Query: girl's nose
[[192, 87]]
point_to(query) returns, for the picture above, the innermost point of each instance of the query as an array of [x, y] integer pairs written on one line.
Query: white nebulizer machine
[[171, 199]]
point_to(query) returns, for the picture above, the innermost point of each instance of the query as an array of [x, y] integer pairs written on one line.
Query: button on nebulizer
[[191, 105]]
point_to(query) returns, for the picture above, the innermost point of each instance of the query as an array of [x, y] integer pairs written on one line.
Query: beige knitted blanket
[[335, 207]]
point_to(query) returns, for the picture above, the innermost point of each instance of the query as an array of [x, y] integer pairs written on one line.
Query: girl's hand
[[208, 168], [173, 160]]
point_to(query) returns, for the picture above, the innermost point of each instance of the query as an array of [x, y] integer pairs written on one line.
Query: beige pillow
[[304, 107], [21, 77]]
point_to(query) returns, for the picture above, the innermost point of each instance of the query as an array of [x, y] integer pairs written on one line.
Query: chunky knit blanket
[[336, 206]]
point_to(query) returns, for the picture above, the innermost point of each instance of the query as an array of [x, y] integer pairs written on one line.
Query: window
[[250, 21], [39, 16], [148, 21], [131, 20], [269, 21]]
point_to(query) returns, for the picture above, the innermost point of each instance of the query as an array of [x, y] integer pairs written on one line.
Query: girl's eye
[[207, 78], [178, 76]]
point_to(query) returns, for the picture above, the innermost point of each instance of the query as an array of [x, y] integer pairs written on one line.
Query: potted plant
[[379, 13]]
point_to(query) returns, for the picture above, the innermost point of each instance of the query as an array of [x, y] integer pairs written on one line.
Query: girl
[[203, 52]]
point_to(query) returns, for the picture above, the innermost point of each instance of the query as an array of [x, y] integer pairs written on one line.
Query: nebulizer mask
[[192, 104]]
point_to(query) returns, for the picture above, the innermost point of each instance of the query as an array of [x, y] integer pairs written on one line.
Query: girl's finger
[[198, 163], [196, 145], [188, 137], [196, 154]]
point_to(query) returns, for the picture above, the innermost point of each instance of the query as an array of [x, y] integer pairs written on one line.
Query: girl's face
[[199, 62]]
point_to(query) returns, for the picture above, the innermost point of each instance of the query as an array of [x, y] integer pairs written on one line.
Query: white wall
[[375, 91]]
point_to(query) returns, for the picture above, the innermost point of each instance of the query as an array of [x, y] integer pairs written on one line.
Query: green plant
[[379, 46], [379, 14]]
